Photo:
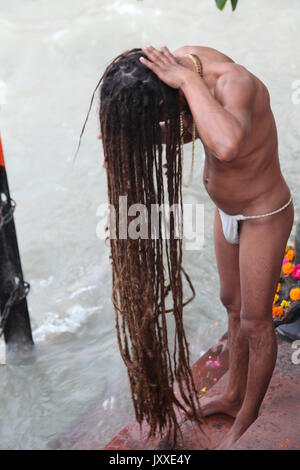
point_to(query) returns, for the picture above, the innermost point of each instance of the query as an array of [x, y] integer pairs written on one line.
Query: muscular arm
[[223, 122]]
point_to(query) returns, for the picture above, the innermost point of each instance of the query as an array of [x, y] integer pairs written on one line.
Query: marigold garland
[[277, 312], [295, 294], [288, 268], [296, 272], [278, 287], [290, 255], [285, 303]]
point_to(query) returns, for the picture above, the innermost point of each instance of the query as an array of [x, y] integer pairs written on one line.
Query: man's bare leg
[[228, 266], [262, 245]]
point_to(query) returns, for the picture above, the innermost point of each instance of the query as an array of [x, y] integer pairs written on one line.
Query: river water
[[51, 57]]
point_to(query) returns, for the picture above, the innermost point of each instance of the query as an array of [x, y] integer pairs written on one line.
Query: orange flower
[[287, 248], [290, 255], [277, 312], [295, 294], [276, 297], [278, 287], [288, 268]]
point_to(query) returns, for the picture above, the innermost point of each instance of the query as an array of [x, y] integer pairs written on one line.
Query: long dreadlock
[[148, 269]]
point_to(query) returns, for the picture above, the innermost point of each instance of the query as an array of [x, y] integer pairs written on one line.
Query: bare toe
[[219, 404]]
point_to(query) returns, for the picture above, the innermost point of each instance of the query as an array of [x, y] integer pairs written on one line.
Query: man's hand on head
[[165, 65]]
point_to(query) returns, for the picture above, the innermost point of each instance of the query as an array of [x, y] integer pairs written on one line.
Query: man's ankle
[[234, 396], [245, 418]]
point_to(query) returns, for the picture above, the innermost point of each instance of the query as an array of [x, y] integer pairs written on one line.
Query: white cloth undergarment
[[230, 223]]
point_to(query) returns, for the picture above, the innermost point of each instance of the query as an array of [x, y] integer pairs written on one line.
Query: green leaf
[[221, 4], [234, 4]]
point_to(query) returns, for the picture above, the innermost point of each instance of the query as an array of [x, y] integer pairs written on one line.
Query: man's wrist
[[188, 78]]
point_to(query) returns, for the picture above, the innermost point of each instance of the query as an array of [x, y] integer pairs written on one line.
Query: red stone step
[[206, 375], [278, 424], [277, 427]]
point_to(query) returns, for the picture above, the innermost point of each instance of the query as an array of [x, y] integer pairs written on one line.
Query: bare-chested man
[[234, 120]]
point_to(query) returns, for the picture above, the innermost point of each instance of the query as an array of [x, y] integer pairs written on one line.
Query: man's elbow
[[230, 151]]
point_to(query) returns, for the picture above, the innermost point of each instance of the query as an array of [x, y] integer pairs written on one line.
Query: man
[[253, 217]]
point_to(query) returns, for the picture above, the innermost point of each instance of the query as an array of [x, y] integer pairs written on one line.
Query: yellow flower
[[278, 287], [276, 297], [277, 312], [285, 303], [295, 294], [288, 268], [290, 255]]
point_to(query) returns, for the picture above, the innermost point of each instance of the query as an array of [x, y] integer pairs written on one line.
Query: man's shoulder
[[237, 80], [235, 73]]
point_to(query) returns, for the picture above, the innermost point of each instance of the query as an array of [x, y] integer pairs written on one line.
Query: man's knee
[[256, 326], [231, 301]]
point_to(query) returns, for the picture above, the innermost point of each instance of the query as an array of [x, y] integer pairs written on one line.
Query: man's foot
[[220, 404], [238, 428]]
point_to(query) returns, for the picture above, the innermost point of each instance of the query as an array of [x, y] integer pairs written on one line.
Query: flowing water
[[51, 57]]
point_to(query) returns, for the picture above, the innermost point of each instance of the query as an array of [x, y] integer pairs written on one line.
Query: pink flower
[[296, 271], [285, 260]]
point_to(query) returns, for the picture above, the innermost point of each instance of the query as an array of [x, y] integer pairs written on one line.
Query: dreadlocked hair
[[146, 270]]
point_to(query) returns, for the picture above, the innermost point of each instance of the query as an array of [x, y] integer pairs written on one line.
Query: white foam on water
[[47, 282], [2, 351], [82, 290], [77, 292], [59, 34], [124, 8], [109, 403], [73, 320]]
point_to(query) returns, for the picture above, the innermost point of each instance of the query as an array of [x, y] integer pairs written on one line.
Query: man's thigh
[[227, 257], [262, 247]]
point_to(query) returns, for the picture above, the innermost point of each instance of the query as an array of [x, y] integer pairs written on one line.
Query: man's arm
[[223, 122]]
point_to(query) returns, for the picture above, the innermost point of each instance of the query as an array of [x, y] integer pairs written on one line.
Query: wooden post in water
[[15, 322]]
